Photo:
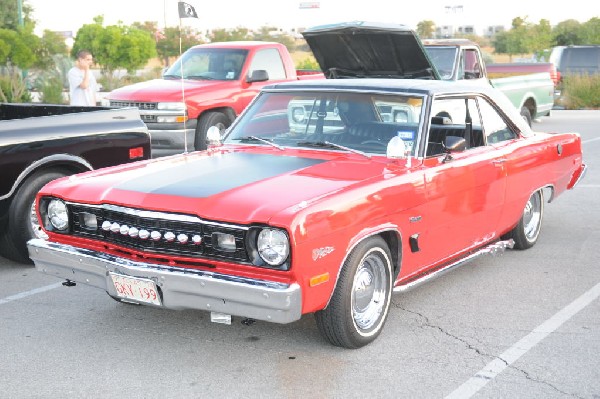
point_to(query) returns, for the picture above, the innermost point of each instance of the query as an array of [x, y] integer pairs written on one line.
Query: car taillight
[[136, 152]]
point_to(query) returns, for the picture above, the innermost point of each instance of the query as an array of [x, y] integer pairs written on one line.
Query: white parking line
[[496, 366], [590, 140], [29, 293]]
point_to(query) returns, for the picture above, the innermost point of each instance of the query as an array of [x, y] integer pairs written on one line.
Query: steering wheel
[[377, 142]]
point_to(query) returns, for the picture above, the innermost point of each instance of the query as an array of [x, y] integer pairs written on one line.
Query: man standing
[[82, 83]]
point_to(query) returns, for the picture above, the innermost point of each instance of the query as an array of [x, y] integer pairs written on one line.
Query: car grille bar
[[137, 104], [198, 238]]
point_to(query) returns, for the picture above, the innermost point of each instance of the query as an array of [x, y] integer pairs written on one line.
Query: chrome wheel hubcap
[[532, 216], [369, 291]]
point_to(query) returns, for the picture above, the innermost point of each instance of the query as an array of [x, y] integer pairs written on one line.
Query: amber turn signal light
[[320, 279]]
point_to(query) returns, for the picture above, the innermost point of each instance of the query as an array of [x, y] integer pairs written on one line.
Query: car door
[[465, 190]]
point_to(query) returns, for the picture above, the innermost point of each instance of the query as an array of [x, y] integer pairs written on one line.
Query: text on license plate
[[137, 289]]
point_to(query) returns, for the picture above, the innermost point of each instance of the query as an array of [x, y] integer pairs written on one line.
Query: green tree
[[539, 38], [591, 31], [115, 47], [167, 43], [272, 34], [229, 35], [513, 41], [15, 55], [567, 32], [426, 29], [9, 17]]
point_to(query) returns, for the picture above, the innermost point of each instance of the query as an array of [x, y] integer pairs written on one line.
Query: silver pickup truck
[[40, 143]]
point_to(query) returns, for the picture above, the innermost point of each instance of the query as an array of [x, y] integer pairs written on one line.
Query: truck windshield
[[208, 64], [444, 59]]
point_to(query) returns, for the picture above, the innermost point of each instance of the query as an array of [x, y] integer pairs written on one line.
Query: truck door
[[267, 59]]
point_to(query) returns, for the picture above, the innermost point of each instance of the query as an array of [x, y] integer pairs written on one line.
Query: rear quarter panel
[[542, 160]]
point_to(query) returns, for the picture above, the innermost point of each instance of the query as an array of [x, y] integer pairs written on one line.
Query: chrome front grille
[[200, 236], [137, 104]]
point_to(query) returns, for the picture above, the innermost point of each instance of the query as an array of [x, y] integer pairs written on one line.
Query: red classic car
[[324, 197]]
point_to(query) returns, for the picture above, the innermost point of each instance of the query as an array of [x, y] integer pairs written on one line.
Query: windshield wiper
[[327, 144], [172, 76], [254, 138], [199, 77]]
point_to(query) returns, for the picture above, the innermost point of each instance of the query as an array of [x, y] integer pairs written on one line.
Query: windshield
[[444, 59], [356, 122], [208, 64]]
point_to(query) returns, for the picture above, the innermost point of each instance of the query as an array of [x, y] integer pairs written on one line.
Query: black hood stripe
[[207, 176]]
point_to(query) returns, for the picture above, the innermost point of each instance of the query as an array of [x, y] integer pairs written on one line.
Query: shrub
[[581, 92], [111, 83], [308, 63], [52, 91], [13, 89]]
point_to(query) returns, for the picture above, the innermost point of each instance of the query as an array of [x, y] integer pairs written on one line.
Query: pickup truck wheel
[[526, 232], [360, 302], [526, 115], [22, 219], [207, 120]]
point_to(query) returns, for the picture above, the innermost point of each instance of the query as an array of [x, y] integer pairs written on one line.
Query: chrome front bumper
[[180, 288]]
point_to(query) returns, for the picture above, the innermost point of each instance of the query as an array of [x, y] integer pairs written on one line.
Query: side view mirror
[[454, 144], [258, 75], [213, 136]]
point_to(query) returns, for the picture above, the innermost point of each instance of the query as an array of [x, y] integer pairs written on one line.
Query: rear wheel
[[526, 232], [526, 115], [207, 120], [360, 302], [23, 224]]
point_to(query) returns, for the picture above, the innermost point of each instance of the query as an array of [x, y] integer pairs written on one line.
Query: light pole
[[20, 11]]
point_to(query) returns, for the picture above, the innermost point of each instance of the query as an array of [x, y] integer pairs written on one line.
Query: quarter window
[[494, 127]]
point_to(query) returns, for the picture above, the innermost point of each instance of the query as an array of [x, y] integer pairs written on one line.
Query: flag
[[186, 10]]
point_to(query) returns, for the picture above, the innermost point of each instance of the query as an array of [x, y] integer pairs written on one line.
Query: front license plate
[[137, 289]]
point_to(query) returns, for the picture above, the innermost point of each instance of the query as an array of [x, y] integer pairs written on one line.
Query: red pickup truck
[[209, 85]]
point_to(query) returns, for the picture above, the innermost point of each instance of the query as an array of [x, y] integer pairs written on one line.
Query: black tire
[[526, 115], [205, 121], [527, 231], [20, 228], [360, 302]]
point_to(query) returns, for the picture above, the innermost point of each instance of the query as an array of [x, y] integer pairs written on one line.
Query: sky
[[70, 15]]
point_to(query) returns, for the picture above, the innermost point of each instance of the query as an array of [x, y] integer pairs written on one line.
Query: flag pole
[[185, 146]]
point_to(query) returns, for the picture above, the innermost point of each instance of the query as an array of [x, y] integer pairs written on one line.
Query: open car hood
[[369, 50]]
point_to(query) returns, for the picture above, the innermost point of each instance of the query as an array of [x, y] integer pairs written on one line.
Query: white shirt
[[81, 96]]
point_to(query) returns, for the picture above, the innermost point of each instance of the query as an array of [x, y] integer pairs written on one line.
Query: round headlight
[[298, 114], [58, 215], [273, 246]]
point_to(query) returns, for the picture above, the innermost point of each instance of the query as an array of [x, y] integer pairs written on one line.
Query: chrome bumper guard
[[180, 288]]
